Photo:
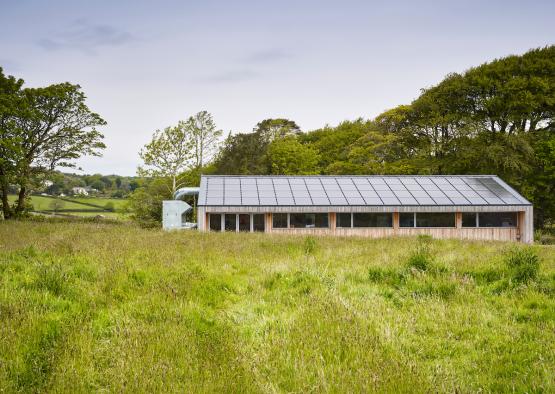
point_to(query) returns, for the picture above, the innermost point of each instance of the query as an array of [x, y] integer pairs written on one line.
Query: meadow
[[88, 306], [113, 208]]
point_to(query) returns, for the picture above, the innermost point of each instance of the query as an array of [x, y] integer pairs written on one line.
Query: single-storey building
[[480, 207]]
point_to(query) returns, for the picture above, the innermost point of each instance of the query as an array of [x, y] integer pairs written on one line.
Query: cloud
[[86, 37], [232, 76], [268, 56]]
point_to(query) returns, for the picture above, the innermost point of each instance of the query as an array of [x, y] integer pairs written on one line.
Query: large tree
[[243, 154], [168, 154], [11, 100], [205, 137], [247, 153], [271, 129], [52, 127]]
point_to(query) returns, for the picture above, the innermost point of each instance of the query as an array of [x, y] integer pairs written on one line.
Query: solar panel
[[356, 190]]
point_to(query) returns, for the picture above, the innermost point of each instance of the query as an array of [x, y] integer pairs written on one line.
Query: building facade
[[479, 207]]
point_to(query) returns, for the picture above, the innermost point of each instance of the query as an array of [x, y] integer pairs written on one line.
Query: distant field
[[119, 203], [115, 308], [79, 206]]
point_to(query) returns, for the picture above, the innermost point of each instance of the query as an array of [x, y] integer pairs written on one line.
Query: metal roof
[[239, 190]]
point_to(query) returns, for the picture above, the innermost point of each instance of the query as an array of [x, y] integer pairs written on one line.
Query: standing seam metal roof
[[351, 190]]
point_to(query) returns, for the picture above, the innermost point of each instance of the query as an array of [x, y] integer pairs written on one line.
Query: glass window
[[279, 220], [215, 222], [258, 222], [372, 220], [230, 220], [321, 220], [497, 219], [308, 220], [244, 222], [343, 220], [469, 219], [435, 219], [406, 219]]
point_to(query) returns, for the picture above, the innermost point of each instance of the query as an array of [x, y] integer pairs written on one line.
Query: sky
[[144, 65]]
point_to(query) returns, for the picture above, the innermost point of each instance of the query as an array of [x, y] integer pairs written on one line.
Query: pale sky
[[144, 65]]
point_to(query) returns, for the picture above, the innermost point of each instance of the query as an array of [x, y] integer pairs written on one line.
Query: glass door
[[244, 222]]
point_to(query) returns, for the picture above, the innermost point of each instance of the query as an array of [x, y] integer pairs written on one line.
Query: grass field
[[119, 203], [79, 206], [99, 307]]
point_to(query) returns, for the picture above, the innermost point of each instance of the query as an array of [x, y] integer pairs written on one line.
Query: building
[[480, 207], [79, 191]]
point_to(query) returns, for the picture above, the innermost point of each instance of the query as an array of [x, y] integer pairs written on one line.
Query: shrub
[[523, 264], [109, 206], [545, 236]]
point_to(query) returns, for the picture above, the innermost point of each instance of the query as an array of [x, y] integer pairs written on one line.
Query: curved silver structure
[[174, 211], [185, 191]]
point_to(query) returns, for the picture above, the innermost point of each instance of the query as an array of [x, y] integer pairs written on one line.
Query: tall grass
[[98, 307]]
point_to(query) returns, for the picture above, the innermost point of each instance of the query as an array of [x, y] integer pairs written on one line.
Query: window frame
[[315, 219], [222, 222], [286, 220], [515, 213], [210, 215], [344, 213], [431, 213], [371, 213], [301, 213], [414, 219]]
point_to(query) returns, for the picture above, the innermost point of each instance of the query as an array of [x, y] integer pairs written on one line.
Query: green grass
[[43, 203], [119, 203], [79, 206], [111, 307]]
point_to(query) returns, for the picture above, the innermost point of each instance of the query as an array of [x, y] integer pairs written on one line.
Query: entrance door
[[244, 222]]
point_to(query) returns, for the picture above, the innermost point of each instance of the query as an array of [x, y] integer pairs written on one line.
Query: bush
[[145, 202], [109, 206], [523, 264], [545, 236]]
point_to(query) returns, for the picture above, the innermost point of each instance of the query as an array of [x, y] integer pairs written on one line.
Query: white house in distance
[[480, 207], [79, 191]]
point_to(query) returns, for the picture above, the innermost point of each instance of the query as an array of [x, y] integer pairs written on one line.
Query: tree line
[[496, 118]]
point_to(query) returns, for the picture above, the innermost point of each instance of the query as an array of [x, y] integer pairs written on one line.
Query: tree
[[334, 143], [11, 101], [168, 154], [205, 136], [243, 154], [287, 156], [52, 127], [271, 129]]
